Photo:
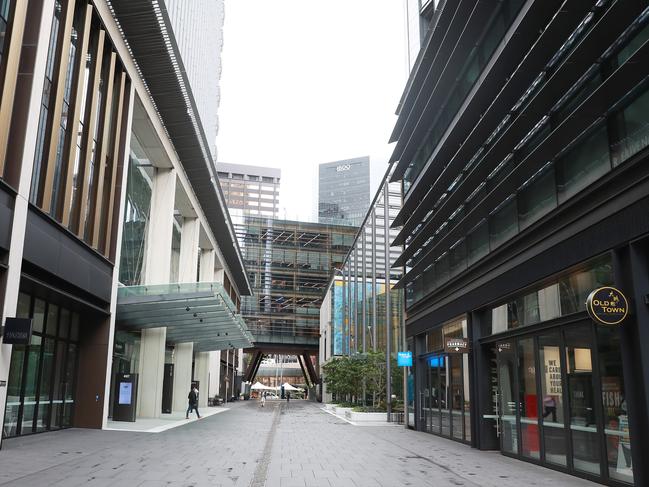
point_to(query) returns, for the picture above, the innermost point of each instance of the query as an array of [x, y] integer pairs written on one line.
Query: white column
[[202, 375], [207, 265], [219, 275], [183, 357], [157, 268], [151, 369], [214, 373], [189, 250], [118, 253], [19, 223]]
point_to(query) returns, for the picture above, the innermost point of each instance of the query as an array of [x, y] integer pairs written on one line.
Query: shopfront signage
[[404, 359], [457, 345], [17, 331], [504, 347], [343, 167], [607, 306], [3, 383]]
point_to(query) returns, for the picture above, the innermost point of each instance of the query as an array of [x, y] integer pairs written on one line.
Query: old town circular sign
[[607, 306]]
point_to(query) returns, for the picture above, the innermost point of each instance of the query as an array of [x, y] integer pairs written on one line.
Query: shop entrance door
[[548, 409]]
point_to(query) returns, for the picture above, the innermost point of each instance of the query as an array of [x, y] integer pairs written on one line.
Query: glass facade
[[289, 266], [344, 191], [41, 384]]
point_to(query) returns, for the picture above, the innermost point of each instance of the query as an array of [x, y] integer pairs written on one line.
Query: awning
[[199, 312]]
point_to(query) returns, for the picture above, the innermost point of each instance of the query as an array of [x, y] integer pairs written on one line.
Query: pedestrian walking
[[193, 402], [263, 399], [288, 397]]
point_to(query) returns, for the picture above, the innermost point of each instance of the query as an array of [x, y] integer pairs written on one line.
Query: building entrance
[[41, 385], [550, 410]]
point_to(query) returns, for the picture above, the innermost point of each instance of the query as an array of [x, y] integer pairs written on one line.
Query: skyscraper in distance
[[344, 191]]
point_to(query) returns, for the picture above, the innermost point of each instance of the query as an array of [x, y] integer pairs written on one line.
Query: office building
[[250, 190], [102, 157], [344, 191], [521, 144]]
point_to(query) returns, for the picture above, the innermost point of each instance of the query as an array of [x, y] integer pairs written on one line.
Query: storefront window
[[564, 297], [508, 402], [528, 400], [616, 419], [583, 423], [552, 397], [42, 398]]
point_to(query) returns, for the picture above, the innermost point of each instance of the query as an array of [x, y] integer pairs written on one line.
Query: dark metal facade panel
[[147, 30], [6, 216], [55, 250]]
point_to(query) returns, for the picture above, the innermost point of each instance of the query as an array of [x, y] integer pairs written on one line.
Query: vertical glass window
[[583, 165], [14, 384], [538, 197], [456, 399], [616, 415], [503, 223], [31, 384], [444, 395], [528, 400], [635, 129], [39, 167], [508, 402], [457, 257], [581, 397], [552, 399]]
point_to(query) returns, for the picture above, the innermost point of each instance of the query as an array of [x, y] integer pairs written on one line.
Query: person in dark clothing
[[288, 396], [193, 402]]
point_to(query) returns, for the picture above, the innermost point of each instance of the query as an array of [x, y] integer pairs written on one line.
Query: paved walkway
[[271, 447]]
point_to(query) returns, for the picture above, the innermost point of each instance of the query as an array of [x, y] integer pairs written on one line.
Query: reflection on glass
[[457, 403], [30, 384], [528, 399], [616, 416], [583, 425], [552, 406], [467, 397], [444, 392], [508, 403], [434, 426], [14, 382]]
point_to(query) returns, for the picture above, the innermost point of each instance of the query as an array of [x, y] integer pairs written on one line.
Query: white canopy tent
[[258, 386], [289, 387]]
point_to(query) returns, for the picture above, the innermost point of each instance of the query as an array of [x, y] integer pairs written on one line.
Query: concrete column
[[219, 275], [19, 223], [183, 357], [207, 265], [202, 375], [189, 250], [214, 373], [157, 267], [151, 369]]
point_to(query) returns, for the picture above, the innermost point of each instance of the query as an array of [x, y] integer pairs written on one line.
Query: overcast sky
[[310, 81]]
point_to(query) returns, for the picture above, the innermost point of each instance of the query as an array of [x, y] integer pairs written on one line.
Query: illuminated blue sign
[[404, 359]]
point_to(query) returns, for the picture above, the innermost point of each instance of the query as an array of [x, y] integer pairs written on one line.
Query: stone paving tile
[[308, 448]]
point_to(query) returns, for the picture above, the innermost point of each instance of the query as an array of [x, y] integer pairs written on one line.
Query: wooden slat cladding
[[93, 223], [58, 89], [9, 74], [83, 119], [115, 159], [70, 154], [79, 211]]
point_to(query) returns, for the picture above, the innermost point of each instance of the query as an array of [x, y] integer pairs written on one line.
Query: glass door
[[552, 408], [584, 430], [508, 401], [528, 400]]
